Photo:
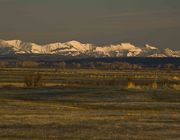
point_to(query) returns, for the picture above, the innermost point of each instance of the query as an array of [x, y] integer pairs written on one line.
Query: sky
[[153, 22]]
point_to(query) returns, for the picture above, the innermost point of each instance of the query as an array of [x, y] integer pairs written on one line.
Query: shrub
[[176, 86], [33, 80], [60, 65], [154, 85], [131, 85]]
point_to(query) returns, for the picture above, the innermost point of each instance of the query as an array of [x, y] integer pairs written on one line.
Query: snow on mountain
[[170, 53], [124, 49], [148, 47], [5, 49], [79, 46], [148, 50], [75, 48], [157, 55], [24, 47]]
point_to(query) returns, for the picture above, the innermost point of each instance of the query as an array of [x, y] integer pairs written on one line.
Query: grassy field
[[14, 77], [77, 108]]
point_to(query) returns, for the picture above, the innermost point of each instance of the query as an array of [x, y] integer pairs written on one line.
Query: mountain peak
[[74, 43], [150, 47]]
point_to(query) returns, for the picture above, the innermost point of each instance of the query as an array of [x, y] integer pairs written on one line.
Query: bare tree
[[33, 80], [60, 65]]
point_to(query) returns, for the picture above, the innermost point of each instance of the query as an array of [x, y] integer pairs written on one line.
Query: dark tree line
[[82, 65]]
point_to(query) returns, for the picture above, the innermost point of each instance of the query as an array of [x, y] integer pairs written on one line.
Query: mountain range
[[75, 48]]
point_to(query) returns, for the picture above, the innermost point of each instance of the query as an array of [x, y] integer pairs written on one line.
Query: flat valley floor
[[89, 113]]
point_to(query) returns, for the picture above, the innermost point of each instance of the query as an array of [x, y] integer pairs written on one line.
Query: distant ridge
[[75, 48]]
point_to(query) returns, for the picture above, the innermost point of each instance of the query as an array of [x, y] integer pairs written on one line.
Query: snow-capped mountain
[[120, 50], [75, 48]]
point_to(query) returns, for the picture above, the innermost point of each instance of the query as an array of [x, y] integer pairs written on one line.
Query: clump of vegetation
[[33, 80], [154, 85], [176, 86], [169, 67], [176, 78], [131, 85], [60, 66], [30, 64], [3, 64]]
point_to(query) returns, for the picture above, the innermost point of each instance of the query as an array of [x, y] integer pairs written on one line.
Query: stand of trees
[[83, 65]]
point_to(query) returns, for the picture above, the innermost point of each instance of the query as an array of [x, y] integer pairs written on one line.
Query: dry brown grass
[[102, 113]]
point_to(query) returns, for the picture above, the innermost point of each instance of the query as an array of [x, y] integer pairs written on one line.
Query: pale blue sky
[[156, 22]]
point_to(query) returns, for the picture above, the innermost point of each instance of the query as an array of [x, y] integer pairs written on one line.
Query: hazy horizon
[[98, 22]]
